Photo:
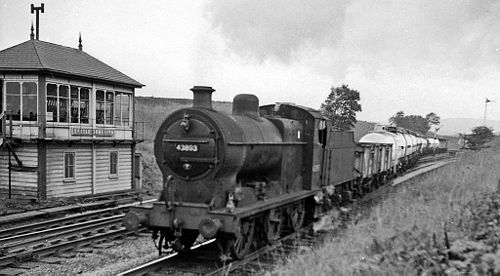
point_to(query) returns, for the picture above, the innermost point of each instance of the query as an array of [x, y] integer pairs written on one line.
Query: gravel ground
[[125, 255]]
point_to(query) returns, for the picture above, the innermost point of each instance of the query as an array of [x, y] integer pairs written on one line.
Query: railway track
[[201, 260], [177, 261], [428, 161], [54, 223], [34, 241], [264, 259]]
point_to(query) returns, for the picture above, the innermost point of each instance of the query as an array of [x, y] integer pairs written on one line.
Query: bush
[[480, 136]]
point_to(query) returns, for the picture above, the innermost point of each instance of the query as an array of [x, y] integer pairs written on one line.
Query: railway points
[[38, 240], [89, 203]]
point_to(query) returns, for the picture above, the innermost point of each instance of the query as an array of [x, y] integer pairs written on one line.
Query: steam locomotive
[[247, 177]]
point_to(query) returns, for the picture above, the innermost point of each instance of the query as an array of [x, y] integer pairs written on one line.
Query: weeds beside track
[[416, 229]]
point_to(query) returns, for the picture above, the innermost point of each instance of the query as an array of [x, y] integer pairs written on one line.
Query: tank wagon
[[245, 178]]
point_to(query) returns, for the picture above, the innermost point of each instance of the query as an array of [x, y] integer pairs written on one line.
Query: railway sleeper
[[87, 234], [54, 242]]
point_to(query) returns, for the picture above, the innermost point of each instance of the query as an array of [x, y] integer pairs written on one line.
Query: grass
[[405, 233]]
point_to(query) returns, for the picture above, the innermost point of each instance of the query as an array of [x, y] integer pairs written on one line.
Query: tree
[[398, 119], [412, 122], [417, 123], [341, 106], [433, 119], [480, 135]]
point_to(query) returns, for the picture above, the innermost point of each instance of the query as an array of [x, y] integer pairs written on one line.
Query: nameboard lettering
[[92, 132]]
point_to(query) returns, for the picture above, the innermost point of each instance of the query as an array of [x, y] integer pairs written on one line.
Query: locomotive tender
[[250, 175]]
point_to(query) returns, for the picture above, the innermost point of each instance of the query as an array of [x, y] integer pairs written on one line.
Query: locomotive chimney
[[246, 105], [202, 96]]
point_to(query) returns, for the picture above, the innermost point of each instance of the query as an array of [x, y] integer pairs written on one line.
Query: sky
[[417, 56]]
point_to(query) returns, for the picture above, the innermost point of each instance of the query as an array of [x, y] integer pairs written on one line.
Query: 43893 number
[[186, 147]]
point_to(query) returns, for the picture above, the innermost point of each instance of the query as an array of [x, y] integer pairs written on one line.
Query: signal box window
[[21, 101], [109, 107], [52, 114], [69, 165], [112, 108], [63, 103], [99, 107], [125, 107], [113, 163], [13, 93], [67, 104], [104, 107], [122, 109], [29, 101], [79, 105], [74, 104], [84, 105]]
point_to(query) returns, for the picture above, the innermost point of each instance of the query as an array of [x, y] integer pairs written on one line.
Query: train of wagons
[[248, 177]]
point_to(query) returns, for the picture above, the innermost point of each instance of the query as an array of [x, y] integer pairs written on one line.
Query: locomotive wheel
[[273, 225], [240, 244], [297, 214]]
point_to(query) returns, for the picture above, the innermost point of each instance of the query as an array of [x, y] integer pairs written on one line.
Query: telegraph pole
[[38, 10]]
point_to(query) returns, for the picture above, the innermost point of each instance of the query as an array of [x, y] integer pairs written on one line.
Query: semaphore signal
[[485, 109]]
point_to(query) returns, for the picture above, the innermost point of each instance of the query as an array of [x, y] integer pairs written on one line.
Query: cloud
[[278, 29], [443, 54], [455, 36]]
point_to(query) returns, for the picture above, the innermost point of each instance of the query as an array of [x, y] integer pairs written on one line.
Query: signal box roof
[[40, 56]]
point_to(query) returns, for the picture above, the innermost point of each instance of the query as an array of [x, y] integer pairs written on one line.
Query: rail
[[22, 243], [160, 263], [200, 260], [61, 245]]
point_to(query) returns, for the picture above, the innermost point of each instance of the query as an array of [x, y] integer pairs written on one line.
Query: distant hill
[[465, 125]]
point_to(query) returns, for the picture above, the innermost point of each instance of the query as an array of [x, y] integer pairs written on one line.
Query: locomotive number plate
[[186, 147]]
